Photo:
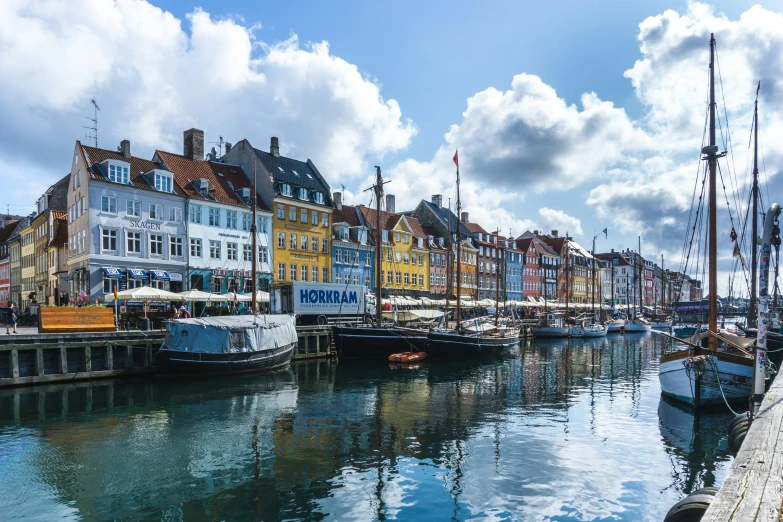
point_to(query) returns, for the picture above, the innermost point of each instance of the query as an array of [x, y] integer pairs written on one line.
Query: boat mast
[[663, 286], [754, 237], [378, 188], [448, 267], [459, 240], [254, 254], [497, 275], [567, 270], [641, 276], [711, 151], [592, 292], [611, 260]]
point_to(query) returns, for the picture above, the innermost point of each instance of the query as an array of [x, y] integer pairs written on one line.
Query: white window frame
[[157, 213], [107, 202], [106, 234], [164, 182], [151, 240], [194, 213], [177, 243], [215, 246], [195, 247], [175, 214], [133, 208], [136, 240]]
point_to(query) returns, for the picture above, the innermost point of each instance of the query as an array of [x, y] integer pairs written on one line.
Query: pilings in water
[[314, 342]]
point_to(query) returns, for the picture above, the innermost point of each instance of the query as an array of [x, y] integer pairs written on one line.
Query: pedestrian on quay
[[11, 320]]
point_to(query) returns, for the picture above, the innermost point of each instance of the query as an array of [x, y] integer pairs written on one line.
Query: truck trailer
[[322, 303]]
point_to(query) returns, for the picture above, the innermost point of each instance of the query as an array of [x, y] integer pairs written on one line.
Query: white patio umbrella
[[231, 297], [198, 295], [261, 296], [145, 293]]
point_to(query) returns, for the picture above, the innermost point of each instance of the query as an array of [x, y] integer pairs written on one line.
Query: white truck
[[322, 303]]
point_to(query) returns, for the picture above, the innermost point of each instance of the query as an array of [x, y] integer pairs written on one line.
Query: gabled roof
[[555, 243], [6, 231], [445, 216], [390, 220], [347, 214], [293, 172], [138, 166], [524, 243], [610, 256], [475, 228], [60, 236], [222, 177]]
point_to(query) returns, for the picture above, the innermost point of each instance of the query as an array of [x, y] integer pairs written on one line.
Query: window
[[406, 257], [176, 246], [314, 218], [325, 219], [325, 247], [175, 214], [195, 214], [109, 240], [338, 255], [293, 272], [156, 244], [305, 272], [262, 255], [231, 251], [231, 219], [281, 240], [291, 213], [421, 280], [163, 182], [397, 237], [356, 258], [388, 277], [356, 279], [118, 174], [398, 256], [432, 278], [247, 253], [195, 247], [280, 211], [292, 242], [407, 278], [325, 274], [109, 204], [247, 220], [343, 233], [314, 243], [281, 271], [133, 208], [406, 238], [214, 217], [338, 278], [389, 255], [398, 277], [303, 214], [285, 189], [318, 197], [214, 249], [315, 274], [156, 211], [384, 235], [304, 242], [366, 259]]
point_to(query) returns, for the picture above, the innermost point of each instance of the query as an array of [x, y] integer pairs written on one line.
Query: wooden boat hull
[[355, 342], [736, 378], [549, 332], [448, 345], [170, 362]]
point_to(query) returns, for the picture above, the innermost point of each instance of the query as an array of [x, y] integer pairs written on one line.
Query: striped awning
[[137, 273], [160, 275], [112, 273]]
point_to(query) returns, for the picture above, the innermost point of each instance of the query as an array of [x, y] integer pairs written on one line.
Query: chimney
[[194, 144], [390, 203], [535, 232], [437, 200], [554, 233], [274, 147], [125, 148], [338, 200], [465, 217], [613, 251], [228, 147]]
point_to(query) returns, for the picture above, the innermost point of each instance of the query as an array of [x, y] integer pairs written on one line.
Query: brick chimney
[[437, 200], [554, 233], [390, 200], [274, 147], [338, 200], [125, 148], [465, 217], [194, 144]]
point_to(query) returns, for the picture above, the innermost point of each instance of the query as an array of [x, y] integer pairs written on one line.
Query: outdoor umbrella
[[145, 293], [261, 296], [198, 295]]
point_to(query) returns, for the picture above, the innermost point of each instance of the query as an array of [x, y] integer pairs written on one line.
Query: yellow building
[[405, 267], [27, 238]]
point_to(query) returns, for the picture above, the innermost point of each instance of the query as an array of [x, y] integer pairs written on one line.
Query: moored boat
[[407, 357], [615, 325], [637, 325], [594, 330], [224, 345], [551, 324]]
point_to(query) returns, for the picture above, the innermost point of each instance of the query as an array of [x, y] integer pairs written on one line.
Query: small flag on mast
[[456, 158], [738, 255]]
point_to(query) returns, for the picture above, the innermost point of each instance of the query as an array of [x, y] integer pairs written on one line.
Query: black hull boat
[[452, 345], [357, 342], [227, 345]]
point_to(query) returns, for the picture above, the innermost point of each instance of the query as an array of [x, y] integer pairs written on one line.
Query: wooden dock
[[753, 489], [48, 358]]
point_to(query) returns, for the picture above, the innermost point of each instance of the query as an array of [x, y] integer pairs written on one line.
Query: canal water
[[554, 430]]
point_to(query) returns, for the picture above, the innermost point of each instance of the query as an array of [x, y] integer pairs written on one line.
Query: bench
[[64, 319]]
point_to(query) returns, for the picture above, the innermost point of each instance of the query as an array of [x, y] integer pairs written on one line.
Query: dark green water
[[555, 430]]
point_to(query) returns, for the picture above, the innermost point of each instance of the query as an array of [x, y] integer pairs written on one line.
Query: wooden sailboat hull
[[451, 345], [736, 378], [353, 342], [197, 363]]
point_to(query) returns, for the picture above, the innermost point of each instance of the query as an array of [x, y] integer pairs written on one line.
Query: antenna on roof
[[94, 121], [220, 147], [343, 187]]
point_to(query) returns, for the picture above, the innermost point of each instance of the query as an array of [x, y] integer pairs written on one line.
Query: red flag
[[733, 235], [456, 158]]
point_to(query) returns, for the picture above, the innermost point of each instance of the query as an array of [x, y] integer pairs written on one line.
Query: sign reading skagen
[[145, 224]]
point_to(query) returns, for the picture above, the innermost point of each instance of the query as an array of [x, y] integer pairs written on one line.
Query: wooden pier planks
[[76, 320], [753, 489]]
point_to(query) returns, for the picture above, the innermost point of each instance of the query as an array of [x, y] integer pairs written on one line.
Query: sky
[[574, 117]]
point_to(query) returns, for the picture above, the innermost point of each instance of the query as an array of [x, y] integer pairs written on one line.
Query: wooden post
[[15, 364], [109, 357], [87, 359], [129, 357], [63, 360], [39, 362]]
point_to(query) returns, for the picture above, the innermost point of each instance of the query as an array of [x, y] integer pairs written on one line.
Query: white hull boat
[[595, 330], [615, 326], [576, 331], [661, 325], [637, 326], [549, 331], [735, 371]]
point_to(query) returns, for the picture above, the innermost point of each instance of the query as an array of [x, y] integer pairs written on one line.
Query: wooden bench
[[63, 320]]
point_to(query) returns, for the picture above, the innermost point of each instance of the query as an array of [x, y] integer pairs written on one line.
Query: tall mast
[[663, 286], [497, 276], [378, 187], [448, 267], [592, 293], [254, 253], [641, 274], [712, 159], [611, 260], [567, 270], [755, 189], [459, 240]]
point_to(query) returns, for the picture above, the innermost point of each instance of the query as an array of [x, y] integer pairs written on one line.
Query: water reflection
[[555, 430]]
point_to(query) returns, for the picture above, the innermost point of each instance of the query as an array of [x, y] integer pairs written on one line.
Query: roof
[[555, 243], [294, 172], [58, 194], [347, 214], [476, 228], [60, 236], [6, 232], [138, 166], [447, 217], [609, 256], [224, 179], [390, 220]]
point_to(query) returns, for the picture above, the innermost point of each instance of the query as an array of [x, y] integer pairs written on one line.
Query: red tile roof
[[476, 228], [347, 214], [187, 172], [138, 166], [390, 220]]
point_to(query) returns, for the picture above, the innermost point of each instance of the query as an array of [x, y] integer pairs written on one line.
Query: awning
[[112, 273], [137, 273], [160, 275], [73, 273]]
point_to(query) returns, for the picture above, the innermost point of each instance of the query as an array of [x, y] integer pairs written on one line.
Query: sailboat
[[461, 342], [638, 324], [723, 369], [377, 341]]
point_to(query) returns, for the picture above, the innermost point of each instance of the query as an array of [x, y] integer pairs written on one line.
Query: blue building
[[353, 250], [513, 263]]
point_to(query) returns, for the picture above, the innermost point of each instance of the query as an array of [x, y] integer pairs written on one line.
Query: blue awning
[[73, 273], [112, 273], [160, 275], [137, 273]]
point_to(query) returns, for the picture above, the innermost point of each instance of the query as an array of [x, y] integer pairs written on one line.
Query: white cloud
[[558, 220]]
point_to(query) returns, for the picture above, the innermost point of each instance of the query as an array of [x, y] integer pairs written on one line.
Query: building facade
[[513, 270], [58, 260], [439, 259], [27, 240], [353, 250]]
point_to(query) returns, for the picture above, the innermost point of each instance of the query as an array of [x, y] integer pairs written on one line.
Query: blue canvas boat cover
[[230, 334]]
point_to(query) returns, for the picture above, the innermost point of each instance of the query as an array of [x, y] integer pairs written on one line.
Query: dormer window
[[119, 173], [385, 235], [318, 197], [245, 194], [441, 242], [163, 182], [344, 233], [303, 193], [285, 189], [420, 242], [363, 236]]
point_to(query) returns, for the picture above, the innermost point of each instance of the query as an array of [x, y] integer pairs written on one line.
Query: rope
[[720, 386]]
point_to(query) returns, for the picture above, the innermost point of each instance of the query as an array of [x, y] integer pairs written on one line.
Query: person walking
[[11, 320]]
